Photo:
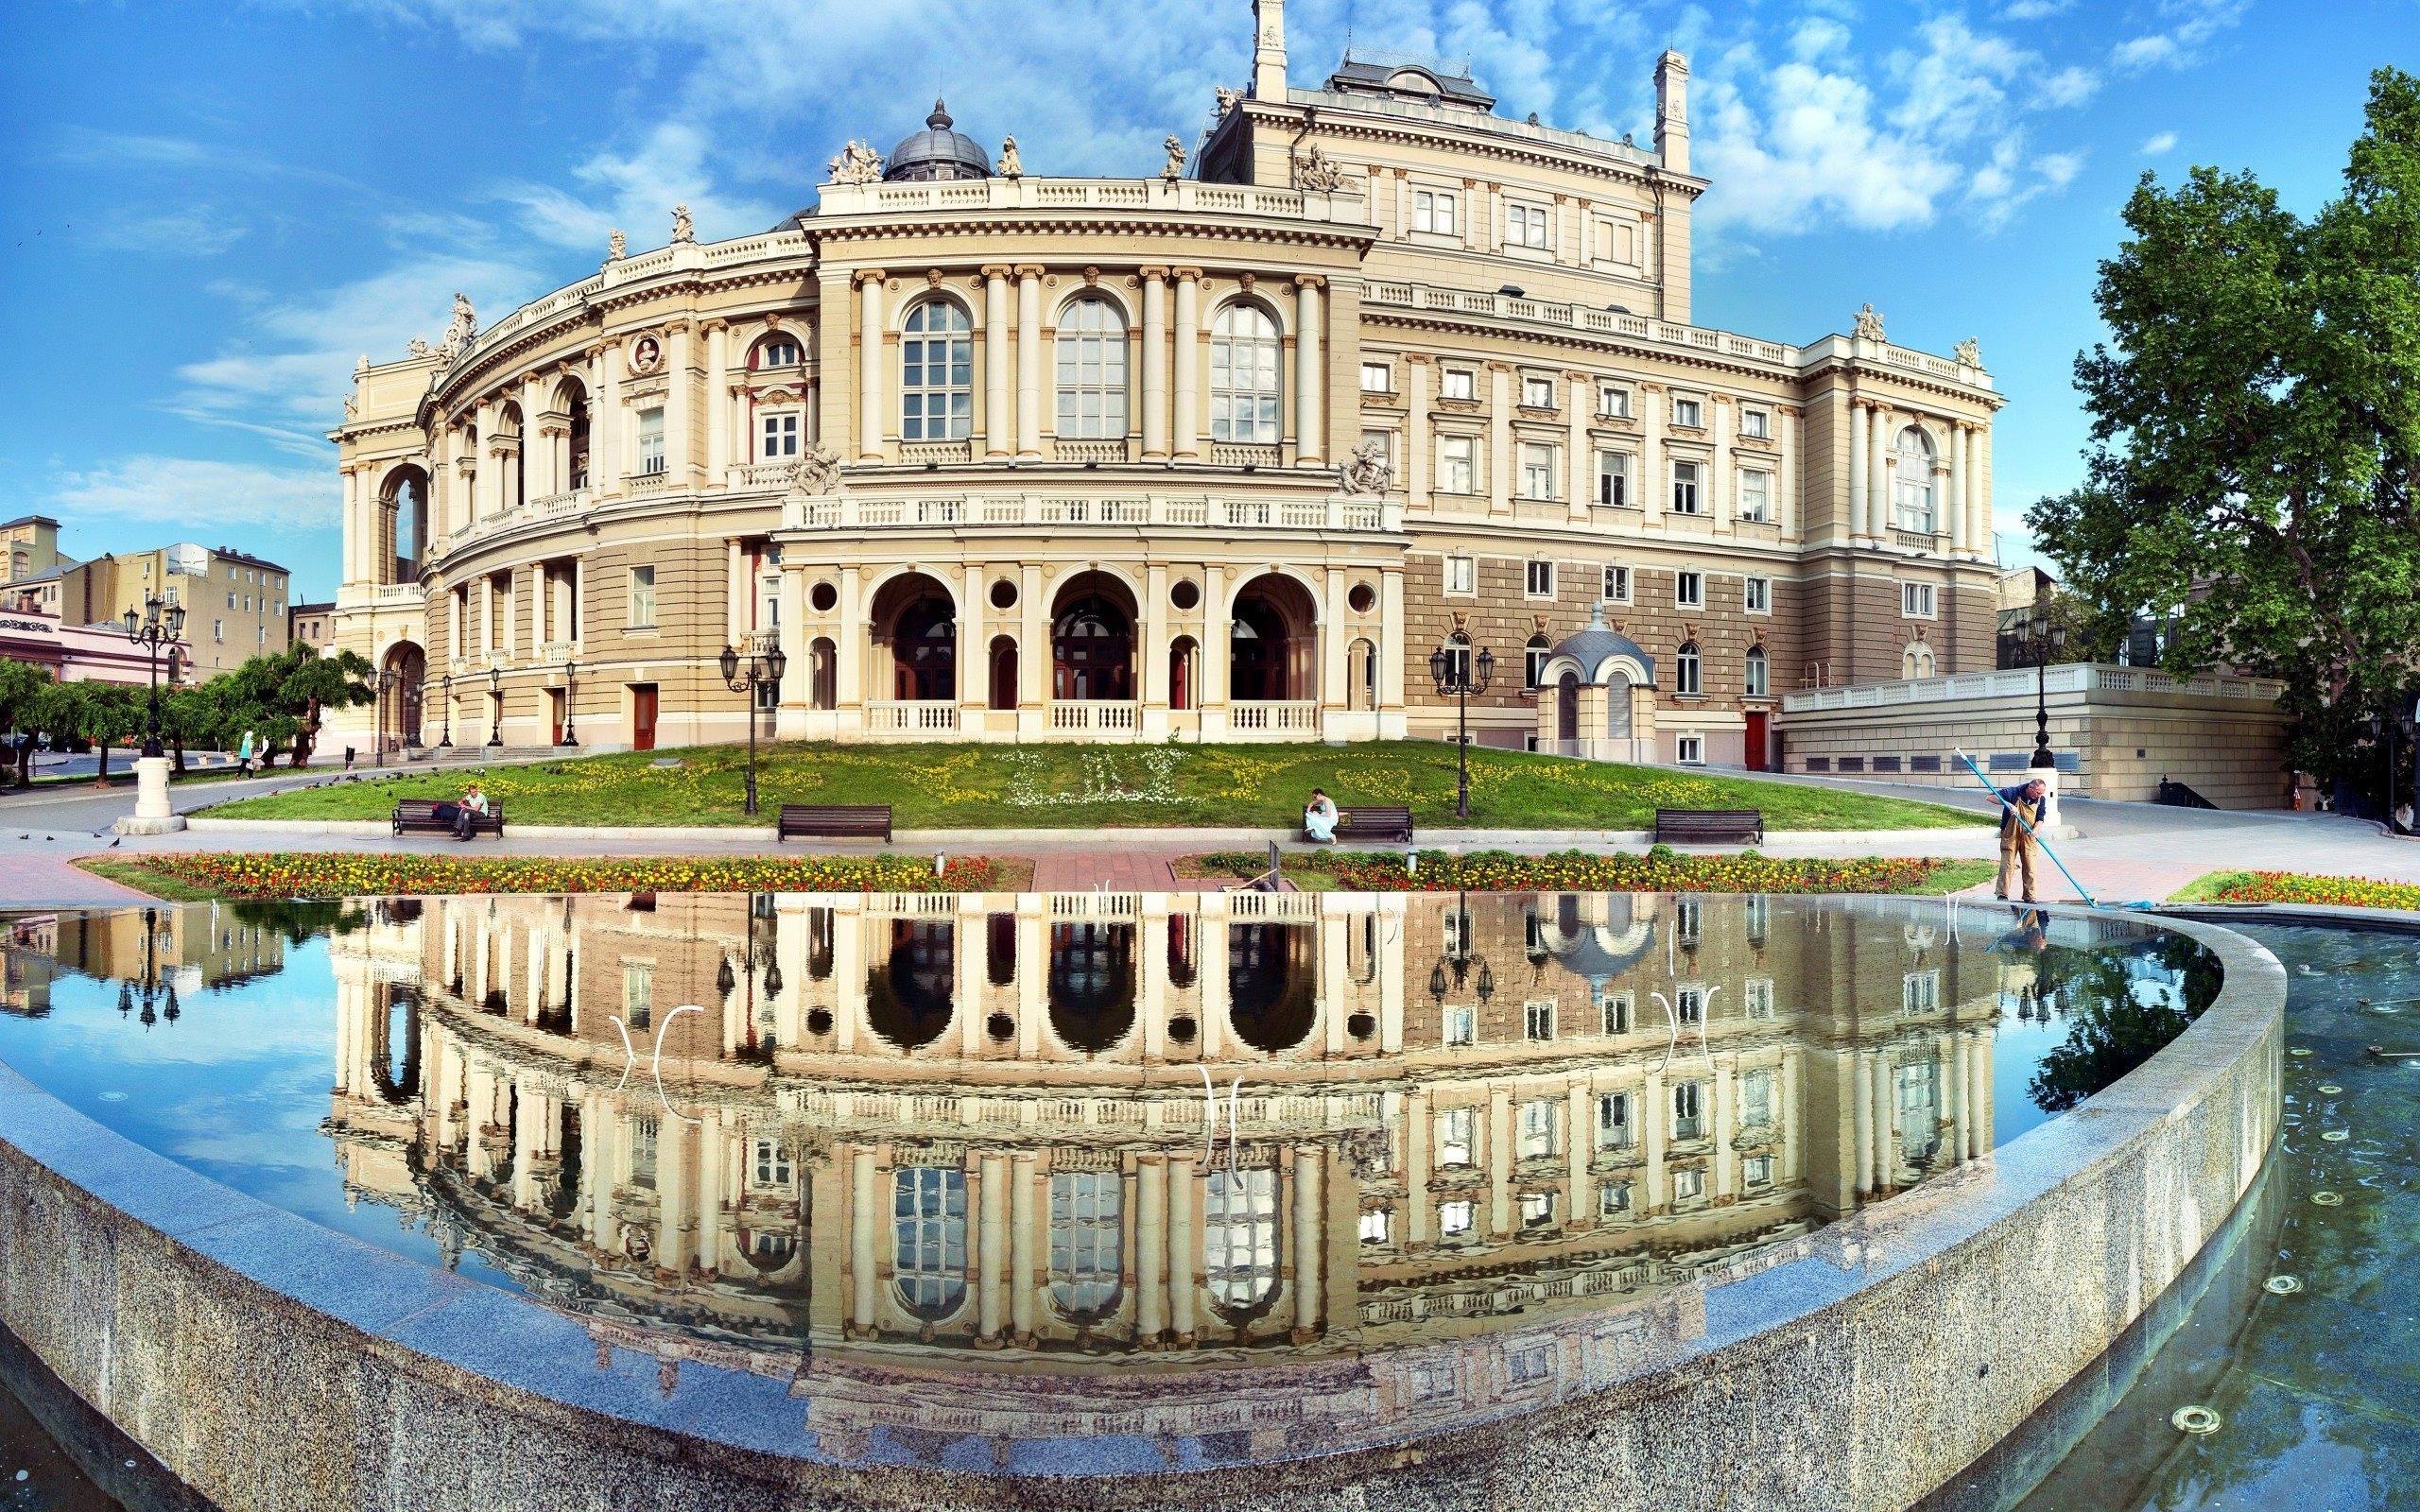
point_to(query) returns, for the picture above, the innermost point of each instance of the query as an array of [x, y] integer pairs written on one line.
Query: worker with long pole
[[2011, 815]]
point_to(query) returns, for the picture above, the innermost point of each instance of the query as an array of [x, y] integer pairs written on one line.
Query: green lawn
[[971, 787]]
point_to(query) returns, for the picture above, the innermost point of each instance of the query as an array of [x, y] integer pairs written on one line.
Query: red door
[[1758, 742], [643, 716]]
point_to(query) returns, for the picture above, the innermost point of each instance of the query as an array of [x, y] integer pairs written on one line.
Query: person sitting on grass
[[464, 812], [1319, 818]]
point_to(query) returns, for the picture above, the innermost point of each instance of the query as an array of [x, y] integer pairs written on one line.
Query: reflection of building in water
[[910, 1130], [187, 946]]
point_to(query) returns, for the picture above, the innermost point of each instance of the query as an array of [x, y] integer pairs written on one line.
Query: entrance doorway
[[641, 717], [554, 717], [1758, 741]]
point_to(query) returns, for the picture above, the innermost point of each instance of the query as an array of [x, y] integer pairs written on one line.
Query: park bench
[[834, 821], [1710, 826], [1369, 821], [418, 816]]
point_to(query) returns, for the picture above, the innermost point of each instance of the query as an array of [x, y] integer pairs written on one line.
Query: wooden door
[[555, 715], [1759, 743], [643, 716]]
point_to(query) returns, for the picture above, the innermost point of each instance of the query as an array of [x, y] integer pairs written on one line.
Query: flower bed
[[286, 874], [2295, 887], [1657, 871]]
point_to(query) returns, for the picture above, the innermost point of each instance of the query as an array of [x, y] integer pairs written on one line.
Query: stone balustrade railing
[[854, 512], [2079, 676]]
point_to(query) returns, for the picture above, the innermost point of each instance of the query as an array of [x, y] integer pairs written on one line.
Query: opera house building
[[1224, 451]]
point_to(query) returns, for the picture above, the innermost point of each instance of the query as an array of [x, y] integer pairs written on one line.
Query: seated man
[[473, 804], [1319, 818]]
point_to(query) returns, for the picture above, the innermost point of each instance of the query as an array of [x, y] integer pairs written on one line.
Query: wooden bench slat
[[1710, 826], [834, 821], [420, 814], [1374, 821]]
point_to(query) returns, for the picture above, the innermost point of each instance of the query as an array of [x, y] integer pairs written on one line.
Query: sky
[[207, 213]]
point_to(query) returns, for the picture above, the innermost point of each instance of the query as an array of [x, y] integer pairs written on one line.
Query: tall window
[[1453, 1126], [1684, 671], [1457, 464], [1243, 376], [1526, 224], [1086, 1208], [1614, 1127], [1239, 1238], [1911, 490], [936, 374], [1092, 369], [642, 598], [1534, 662], [1537, 1137], [928, 1213], [1684, 488], [1461, 575], [1756, 1098], [1688, 590], [780, 432], [1432, 210], [1539, 583], [1613, 479], [1756, 496], [1537, 470], [1616, 586], [1758, 678], [650, 443], [1757, 596]]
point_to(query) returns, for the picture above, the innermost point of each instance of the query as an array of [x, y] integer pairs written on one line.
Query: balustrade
[[1287, 718], [910, 717], [1096, 715]]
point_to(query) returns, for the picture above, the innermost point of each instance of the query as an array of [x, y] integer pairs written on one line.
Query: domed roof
[[1597, 645], [937, 153]]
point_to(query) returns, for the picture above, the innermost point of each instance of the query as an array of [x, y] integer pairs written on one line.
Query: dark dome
[[937, 153]]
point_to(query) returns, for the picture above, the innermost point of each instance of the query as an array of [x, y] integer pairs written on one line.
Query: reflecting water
[[1327, 1168]]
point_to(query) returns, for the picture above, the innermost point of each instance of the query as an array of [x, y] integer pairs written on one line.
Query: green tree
[[24, 688], [102, 712], [2254, 421], [314, 684]]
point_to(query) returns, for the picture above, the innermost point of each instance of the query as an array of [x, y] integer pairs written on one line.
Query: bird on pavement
[[114, 844]]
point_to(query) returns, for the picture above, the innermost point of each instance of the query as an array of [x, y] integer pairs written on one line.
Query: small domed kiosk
[[1596, 697]]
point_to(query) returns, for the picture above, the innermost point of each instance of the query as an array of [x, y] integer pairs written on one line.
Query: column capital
[[713, 324], [1153, 272], [1310, 280], [1185, 275], [997, 270], [865, 275], [1499, 365], [1422, 358], [1793, 411], [1720, 399], [1578, 377], [1031, 270]]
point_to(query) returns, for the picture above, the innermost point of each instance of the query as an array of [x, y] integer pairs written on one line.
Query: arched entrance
[[571, 468], [1566, 707], [1092, 641], [1275, 642], [1182, 657], [404, 508], [909, 996], [400, 697], [915, 627], [1004, 672]]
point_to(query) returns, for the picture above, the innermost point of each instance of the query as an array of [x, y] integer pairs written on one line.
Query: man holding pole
[[2020, 816]]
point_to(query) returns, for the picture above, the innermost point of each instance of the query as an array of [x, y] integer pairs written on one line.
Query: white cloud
[[636, 192], [197, 230], [2068, 86], [190, 493], [2034, 10], [2189, 26], [2163, 142]]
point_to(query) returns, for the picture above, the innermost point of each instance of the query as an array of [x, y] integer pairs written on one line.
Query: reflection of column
[[1500, 1160], [1978, 1077], [1578, 1136], [1215, 996], [1861, 1124], [1030, 360], [1417, 1143], [991, 1246], [1722, 1130], [1151, 1246], [1024, 1253], [1187, 418], [999, 423], [870, 365], [714, 1155], [1181, 1248], [1310, 1245], [1886, 1166], [671, 1196], [1033, 975], [862, 1232], [1651, 1137]]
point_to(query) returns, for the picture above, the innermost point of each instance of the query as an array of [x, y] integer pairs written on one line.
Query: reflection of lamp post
[[1459, 956], [446, 691], [764, 670], [152, 986], [571, 700], [160, 623], [2043, 644], [495, 695], [1450, 665]]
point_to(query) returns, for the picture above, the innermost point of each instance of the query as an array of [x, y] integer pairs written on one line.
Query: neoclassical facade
[[1222, 453]]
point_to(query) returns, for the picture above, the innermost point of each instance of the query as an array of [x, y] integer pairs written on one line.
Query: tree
[[2253, 423], [102, 712], [315, 683], [24, 688]]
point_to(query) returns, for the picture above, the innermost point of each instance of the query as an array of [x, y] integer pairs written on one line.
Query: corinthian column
[[1188, 354], [1309, 371], [998, 421], [1155, 363], [1030, 360], [870, 364]]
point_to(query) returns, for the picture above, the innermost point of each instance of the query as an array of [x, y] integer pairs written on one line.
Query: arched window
[[1759, 684], [1533, 665], [1684, 671], [780, 350], [1087, 1209], [1239, 1240], [1916, 661], [1092, 369], [936, 374], [1243, 376], [1361, 674], [1912, 489], [928, 1210], [822, 668]]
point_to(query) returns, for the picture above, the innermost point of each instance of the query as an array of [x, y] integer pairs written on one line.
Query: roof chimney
[[1269, 50], [1672, 111]]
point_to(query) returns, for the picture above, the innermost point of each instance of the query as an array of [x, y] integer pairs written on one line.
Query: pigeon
[[27, 837], [114, 844]]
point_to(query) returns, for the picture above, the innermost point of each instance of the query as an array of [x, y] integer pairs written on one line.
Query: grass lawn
[[1068, 786], [1656, 871], [2295, 887], [198, 876]]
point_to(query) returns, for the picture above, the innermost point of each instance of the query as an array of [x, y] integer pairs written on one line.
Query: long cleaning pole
[[2028, 830]]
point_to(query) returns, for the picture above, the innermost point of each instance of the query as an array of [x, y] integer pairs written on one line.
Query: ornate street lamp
[[446, 691], [2044, 643], [495, 706], [387, 678], [1451, 666], [571, 702], [763, 669], [161, 623]]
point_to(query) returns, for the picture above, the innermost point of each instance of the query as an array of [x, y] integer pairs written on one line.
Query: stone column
[[1418, 387], [1151, 639], [1786, 470], [1181, 1248], [489, 495], [1309, 1242], [1576, 460], [1152, 1251], [870, 364], [353, 533], [1332, 640], [848, 682], [1652, 482], [1155, 363], [862, 1217], [718, 402], [1029, 360], [680, 408], [605, 426], [1187, 386], [991, 1247], [1025, 1254], [1860, 434], [1499, 438], [1878, 474], [1394, 634], [998, 418], [1033, 645], [1310, 380]]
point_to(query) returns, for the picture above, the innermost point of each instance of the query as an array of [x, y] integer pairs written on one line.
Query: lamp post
[[161, 623], [571, 700], [763, 669], [387, 680], [1460, 957], [496, 707], [1451, 666], [2042, 645], [446, 691], [151, 984]]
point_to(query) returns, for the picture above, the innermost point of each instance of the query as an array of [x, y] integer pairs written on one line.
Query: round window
[[1363, 598], [822, 598], [1185, 594], [1004, 594]]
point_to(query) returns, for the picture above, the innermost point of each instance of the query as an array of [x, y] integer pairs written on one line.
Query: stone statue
[[817, 473], [681, 230], [616, 246], [1969, 352], [361, 365], [1314, 172], [857, 163], [1364, 470], [352, 406], [1869, 324], [460, 330], [416, 347], [1012, 167], [1174, 168], [1228, 99]]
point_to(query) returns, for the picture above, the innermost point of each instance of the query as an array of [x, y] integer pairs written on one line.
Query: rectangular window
[[219, 629], [1920, 993], [1756, 1098], [1613, 480], [1615, 1128], [1616, 584], [1527, 226], [1756, 997], [1378, 378], [1756, 496], [1757, 1170], [1689, 414], [1537, 1140], [1757, 598], [638, 993], [772, 1164], [1755, 424], [1432, 210], [1688, 1004], [1615, 1012], [1376, 1224], [1760, 919], [1462, 1026], [1537, 1209], [1612, 401], [1538, 393], [1537, 470], [1684, 488], [1689, 750], [1916, 601], [1461, 575], [1689, 1182], [780, 435], [1612, 1198], [1458, 383], [650, 443], [1453, 1218], [231, 601], [1537, 1019], [1457, 464], [1454, 1135], [1529, 1365], [642, 598], [1541, 579], [1756, 678], [1688, 590]]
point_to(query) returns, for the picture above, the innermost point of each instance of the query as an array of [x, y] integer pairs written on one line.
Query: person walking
[[2020, 816]]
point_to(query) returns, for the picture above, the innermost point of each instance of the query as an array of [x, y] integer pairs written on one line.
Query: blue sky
[[208, 212]]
